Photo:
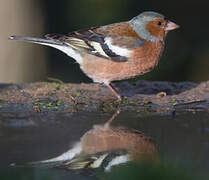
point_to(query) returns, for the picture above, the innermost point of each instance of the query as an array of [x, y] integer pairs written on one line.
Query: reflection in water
[[106, 146]]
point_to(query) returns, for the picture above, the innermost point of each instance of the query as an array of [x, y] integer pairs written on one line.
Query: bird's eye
[[159, 23]]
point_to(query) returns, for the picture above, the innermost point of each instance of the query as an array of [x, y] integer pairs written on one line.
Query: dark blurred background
[[186, 56]]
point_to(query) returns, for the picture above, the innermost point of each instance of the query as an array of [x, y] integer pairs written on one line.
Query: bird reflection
[[106, 146]]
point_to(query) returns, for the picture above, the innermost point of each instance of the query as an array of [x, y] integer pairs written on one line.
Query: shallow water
[[182, 139]]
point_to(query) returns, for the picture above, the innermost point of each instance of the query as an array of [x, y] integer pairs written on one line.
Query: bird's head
[[152, 26]]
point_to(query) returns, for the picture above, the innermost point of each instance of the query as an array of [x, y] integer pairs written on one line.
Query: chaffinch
[[116, 51], [107, 146]]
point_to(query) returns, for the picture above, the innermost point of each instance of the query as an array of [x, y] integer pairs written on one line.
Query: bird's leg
[[113, 117], [114, 91]]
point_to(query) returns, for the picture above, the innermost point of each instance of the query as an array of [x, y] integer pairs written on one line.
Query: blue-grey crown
[[152, 14]]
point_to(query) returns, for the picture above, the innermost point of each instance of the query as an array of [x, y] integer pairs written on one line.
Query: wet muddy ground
[[47, 96]]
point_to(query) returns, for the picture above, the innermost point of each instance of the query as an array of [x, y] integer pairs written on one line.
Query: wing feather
[[89, 42], [93, 41]]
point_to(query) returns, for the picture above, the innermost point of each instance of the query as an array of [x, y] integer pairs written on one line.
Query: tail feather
[[37, 40], [67, 49]]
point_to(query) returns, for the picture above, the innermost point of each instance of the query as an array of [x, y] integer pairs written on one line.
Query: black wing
[[89, 41]]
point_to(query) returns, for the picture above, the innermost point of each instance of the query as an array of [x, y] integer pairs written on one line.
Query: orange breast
[[147, 57]]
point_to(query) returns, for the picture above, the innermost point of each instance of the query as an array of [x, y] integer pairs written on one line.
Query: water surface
[[182, 140]]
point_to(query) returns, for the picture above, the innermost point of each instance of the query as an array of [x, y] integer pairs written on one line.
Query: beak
[[171, 26]]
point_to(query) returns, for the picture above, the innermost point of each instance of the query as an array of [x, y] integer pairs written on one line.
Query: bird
[[116, 51], [105, 146], [108, 146]]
